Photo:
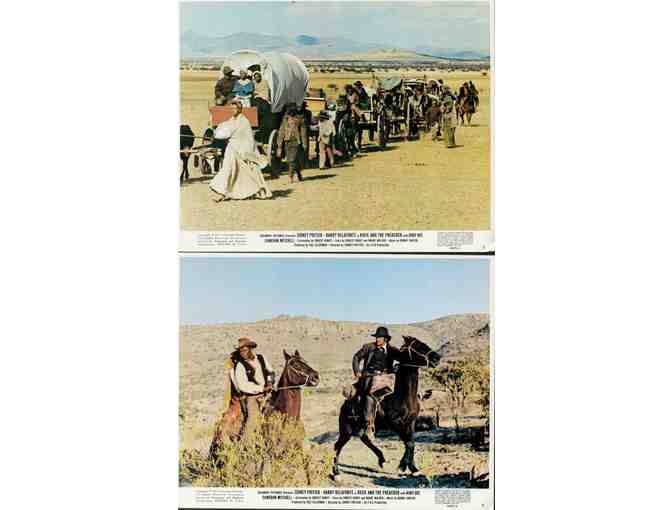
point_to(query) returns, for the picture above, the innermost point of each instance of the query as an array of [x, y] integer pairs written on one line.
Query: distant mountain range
[[197, 46]]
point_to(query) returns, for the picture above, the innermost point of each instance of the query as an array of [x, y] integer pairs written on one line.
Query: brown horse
[[467, 106], [286, 400], [399, 410]]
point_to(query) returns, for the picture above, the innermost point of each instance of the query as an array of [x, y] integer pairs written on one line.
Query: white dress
[[240, 174]]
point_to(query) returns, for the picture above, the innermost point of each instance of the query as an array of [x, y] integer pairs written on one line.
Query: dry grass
[[414, 185], [274, 457], [328, 347]]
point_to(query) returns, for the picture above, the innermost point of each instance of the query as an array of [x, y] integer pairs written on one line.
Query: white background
[[89, 279]]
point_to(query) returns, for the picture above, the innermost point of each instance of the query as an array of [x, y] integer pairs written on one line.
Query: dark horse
[[466, 107], [186, 143], [399, 410], [346, 129], [286, 400]]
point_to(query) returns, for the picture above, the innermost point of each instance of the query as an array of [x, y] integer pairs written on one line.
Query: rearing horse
[[399, 410], [286, 400]]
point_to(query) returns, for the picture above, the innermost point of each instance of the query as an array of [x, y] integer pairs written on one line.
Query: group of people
[[242, 87], [251, 378], [240, 175]]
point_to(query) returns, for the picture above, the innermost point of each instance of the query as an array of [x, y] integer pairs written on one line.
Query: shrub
[[463, 379], [274, 457]]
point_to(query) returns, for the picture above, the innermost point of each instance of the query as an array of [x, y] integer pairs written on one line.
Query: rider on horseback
[[370, 365], [252, 377]]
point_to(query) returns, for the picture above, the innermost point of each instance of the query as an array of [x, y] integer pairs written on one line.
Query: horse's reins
[[300, 373], [409, 348]]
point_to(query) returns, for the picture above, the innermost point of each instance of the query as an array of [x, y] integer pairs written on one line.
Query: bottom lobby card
[[335, 381]]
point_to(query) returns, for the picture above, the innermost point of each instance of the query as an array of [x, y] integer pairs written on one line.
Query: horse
[[285, 400], [186, 143], [398, 410], [466, 107], [297, 374], [346, 128]]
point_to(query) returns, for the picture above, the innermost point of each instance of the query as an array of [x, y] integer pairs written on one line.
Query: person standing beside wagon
[[326, 139], [294, 136]]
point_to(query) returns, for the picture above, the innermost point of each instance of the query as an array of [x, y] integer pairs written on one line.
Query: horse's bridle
[[409, 348], [300, 373]]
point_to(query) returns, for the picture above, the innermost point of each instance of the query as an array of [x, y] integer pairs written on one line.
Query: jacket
[[362, 357], [252, 385], [223, 87], [283, 132]]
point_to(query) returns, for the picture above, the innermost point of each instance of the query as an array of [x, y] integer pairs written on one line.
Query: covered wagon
[[286, 78]]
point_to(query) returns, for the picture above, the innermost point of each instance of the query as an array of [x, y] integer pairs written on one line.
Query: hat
[[324, 115], [226, 70], [381, 331], [359, 83], [292, 111], [246, 342]]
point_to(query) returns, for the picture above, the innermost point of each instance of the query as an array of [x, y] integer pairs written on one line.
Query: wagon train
[[287, 79]]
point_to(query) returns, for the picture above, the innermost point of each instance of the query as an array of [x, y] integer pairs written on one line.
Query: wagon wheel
[[340, 132], [207, 169], [273, 161], [270, 152], [408, 121], [382, 132]]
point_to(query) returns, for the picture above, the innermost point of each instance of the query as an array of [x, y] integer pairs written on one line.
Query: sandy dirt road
[[412, 185]]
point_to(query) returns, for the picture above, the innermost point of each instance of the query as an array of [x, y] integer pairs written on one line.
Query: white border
[[480, 498]]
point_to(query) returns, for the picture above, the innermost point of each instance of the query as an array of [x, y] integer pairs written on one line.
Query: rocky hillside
[[327, 344]]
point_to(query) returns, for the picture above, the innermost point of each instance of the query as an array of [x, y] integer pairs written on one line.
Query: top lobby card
[[336, 126]]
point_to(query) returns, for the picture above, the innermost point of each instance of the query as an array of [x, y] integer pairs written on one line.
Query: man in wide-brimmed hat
[[252, 377], [224, 86], [293, 135], [373, 361]]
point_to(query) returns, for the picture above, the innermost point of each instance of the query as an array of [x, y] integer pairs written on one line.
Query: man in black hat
[[374, 359]]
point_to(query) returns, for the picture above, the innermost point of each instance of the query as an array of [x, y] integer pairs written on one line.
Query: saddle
[[381, 386]]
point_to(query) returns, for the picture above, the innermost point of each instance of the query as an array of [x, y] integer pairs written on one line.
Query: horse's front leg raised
[[340, 443], [367, 441]]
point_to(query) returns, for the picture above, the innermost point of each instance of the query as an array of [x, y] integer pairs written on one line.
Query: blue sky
[[456, 25], [221, 289]]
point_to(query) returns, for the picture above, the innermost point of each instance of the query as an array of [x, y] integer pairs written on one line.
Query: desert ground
[[411, 185], [328, 347]]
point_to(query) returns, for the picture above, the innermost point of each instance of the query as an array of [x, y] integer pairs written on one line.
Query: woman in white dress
[[240, 175]]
